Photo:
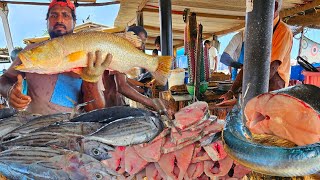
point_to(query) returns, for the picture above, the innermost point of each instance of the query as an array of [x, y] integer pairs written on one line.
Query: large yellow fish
[[69, 53]]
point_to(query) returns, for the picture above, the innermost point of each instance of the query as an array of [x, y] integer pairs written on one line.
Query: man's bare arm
[[90, 92], [238, 82], [274, 68], [125, 89], [215, 64]]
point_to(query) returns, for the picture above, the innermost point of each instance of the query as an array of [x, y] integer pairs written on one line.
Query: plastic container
[[312, 77], [176, 77], [296, 73]]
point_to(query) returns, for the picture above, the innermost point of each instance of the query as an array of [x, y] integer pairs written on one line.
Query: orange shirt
[[281, 49]]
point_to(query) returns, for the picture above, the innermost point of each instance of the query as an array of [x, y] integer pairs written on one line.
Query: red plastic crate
[[312, 77]]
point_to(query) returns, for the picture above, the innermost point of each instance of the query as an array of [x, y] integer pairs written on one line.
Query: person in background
[[141, 33], [280, 57], [155, 52], [117, 84], [233, 55], [213, 56], [48, 94], [157, 43]]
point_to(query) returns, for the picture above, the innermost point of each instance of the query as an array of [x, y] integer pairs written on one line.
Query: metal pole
[[4, 11], [166, 27], [258, 38]]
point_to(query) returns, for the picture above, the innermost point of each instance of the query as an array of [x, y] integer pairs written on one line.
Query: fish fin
[[163, 71], [131, 37], [19, 67], [77, 70], [76, 56]]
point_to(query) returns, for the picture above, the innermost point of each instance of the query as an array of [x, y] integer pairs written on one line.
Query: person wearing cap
[[117, 84], [48, 94]]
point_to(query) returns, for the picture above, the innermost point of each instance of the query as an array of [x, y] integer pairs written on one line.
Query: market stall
[[205, 139]]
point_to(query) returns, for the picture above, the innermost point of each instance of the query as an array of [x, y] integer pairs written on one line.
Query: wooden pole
[[4, 11]]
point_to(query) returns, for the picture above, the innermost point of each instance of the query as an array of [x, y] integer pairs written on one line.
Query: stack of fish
[[191, 150], [57, 147]]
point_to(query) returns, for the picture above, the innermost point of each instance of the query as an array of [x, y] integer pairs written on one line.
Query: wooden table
[[219, 111]]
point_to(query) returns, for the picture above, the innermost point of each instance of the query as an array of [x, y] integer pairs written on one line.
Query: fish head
[[42, 58], [98, 150], [97, 171]]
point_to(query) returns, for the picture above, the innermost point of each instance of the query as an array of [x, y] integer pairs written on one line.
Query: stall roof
[[218, 17]]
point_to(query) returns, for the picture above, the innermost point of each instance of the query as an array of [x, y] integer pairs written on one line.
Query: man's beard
[[54, 34]]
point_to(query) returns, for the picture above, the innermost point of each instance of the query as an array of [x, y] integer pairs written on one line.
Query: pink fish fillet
[[152, 173], [167, 163], [184, 157], [291, 113], [133, 162], [116, 162], [150, 152]]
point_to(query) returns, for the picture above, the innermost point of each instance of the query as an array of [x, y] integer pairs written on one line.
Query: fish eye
[[96, 152], [98, 176]]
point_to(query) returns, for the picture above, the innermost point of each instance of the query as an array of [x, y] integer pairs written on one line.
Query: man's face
[[207, 45], [158, 47], [60, 21]]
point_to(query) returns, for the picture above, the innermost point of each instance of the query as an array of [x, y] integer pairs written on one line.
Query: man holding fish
[[64, 70], [44, 90]]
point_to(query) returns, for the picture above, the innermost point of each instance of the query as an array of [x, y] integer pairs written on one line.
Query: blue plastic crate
[[296, 72]]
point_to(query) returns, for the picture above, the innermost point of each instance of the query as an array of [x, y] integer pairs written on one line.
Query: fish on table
[[37, 123], [7, 112], [269, 160], [79, 128], [97, 150], [69, 53], [110, 114], [129, 131], [29, 154], [291, 113], [8, 124], [70, 165]]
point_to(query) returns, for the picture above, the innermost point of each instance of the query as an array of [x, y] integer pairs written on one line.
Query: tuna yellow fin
[[163, 71], [131, 37], [76, 56], [19, 67]]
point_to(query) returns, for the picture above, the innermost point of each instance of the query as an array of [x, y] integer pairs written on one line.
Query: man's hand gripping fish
[[69, 53]]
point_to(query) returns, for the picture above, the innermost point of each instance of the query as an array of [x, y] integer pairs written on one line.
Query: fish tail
[[163, 71], [19, 67]]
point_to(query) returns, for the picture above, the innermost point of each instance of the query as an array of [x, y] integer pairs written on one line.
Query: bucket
[[312, 77], [176, 77]]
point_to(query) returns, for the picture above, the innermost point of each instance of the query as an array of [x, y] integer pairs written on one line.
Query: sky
[[28, 21]]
